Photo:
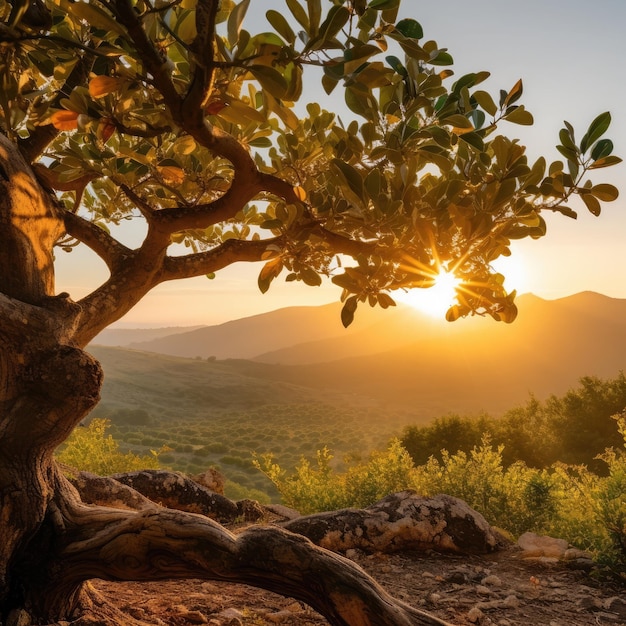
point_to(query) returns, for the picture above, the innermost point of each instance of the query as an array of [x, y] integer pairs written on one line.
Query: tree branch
[[111, 251], [231, 251], [156, 64], [203, 50]]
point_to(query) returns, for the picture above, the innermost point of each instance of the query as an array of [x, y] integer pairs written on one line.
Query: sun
[[435, 300]]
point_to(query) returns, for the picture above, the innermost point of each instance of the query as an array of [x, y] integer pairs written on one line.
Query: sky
[[570, 55]]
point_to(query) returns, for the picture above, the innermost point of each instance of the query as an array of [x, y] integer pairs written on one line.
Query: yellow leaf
[[171, 174], [65, 120], [300, 193], [102, 85]]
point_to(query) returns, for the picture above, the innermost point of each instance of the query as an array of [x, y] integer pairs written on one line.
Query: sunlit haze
[[569, 54]]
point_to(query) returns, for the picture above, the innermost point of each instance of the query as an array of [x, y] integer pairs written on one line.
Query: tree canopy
[[189, 116]]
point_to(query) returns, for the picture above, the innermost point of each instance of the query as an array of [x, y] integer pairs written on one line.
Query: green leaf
[[268, 272], [571, 154], [348, 311], [310, 277], [280, 24], [351, 176], [592, 204], [95, 16], [410, 28], [567, 140], [261, 142], [271, 80], [596, 129], [605, 192], [519, 115], [602, 149], [360, 102], [457, 120], [486, 101], [396, 65], [383, 5], [235, 19], [385, 301], [355, 57], [442, 58], [474, 140], [299, 13], [315, 16], [337, 18]]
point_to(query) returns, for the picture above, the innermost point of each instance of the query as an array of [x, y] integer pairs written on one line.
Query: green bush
[[91, 449], [573, 429], [564, 501]]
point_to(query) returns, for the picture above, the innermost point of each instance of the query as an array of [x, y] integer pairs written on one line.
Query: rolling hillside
[[403, 359], [247, 337], [351, 391]]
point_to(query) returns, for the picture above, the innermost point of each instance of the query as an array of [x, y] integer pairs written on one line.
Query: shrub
[[91, 449]]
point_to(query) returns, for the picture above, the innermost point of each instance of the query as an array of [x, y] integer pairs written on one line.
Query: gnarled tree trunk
[[51, 541]]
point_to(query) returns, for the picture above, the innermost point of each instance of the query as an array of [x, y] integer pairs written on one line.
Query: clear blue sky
[[570, 55]]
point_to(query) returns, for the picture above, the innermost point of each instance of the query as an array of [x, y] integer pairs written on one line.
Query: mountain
[[402, 359], [128, 336], [475, 364], [247, 337]]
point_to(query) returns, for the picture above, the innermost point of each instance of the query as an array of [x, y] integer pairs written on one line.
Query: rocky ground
[[504, 589]]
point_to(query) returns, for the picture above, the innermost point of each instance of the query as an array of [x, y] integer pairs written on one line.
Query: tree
[[175, 113]]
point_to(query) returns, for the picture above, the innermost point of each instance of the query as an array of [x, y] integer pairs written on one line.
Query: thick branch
[[247, 183], [128, 284], [162, 544], [111, 251], [177, 219], [229, 252]]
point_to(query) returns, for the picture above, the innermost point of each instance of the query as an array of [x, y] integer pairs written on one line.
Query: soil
[[503, 589]]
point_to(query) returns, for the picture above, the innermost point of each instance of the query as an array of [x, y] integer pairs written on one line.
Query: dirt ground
[[503, 589]]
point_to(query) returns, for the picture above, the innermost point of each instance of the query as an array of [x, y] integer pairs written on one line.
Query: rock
[[475, 615], [282, 511], [211, 479], [250, 510], [457, 578], [534, 546], [106, 491], [402, 521], [176, 491], [193, 617], [232, 617]]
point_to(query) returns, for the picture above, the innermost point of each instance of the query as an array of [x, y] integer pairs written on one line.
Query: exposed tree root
[[163, 544]]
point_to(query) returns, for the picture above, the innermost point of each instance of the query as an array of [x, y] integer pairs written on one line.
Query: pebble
[[474, 615]]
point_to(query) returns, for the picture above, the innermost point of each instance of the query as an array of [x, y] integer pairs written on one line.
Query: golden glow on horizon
[[435, 300]]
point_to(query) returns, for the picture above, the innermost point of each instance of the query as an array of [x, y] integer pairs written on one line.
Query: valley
[[348, 390]]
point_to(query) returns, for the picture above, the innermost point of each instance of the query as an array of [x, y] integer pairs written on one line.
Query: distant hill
[[401, 358], [247, 337], [128, 336], [475, 364]]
